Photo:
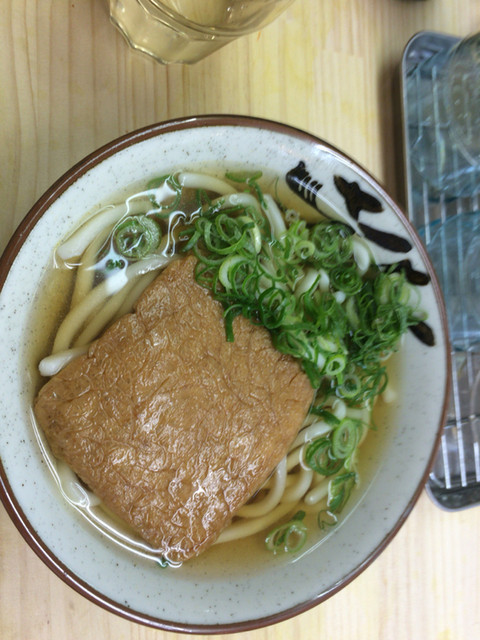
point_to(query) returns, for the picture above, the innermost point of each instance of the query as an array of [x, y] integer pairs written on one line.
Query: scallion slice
[[137, 236], [345, 438], [289, 537], [319, 457], [339, 491]]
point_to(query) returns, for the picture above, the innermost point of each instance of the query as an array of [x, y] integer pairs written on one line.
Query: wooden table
[[68, 84]]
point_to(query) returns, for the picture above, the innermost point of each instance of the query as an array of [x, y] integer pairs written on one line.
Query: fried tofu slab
[[173, 427]]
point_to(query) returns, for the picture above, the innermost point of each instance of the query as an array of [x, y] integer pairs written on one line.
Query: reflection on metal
[[454, 482]]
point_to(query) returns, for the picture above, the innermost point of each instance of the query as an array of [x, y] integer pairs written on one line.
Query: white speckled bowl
[[233, 594]]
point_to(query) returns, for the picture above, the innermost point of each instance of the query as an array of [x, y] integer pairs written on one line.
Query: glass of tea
[[188, 30]]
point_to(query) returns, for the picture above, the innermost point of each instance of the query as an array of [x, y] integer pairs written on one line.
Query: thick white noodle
[[78, 314], [76, 244], [361, 254], [75, 318], [313, 278], [317, 493], [268, 484], [265, 282], [309, 281], [303, 480], [202, 181], [138, 288], [272, 498], [310, 419], [104, 315], [274, 216], [293, 458], [52, 364], [321, 359], [339, 408], [324, 283], [85, 273], [238, 200], [247, 527], [361, 413], [316, 429]]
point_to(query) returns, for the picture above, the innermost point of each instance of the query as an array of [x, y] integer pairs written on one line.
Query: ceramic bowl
[[236, 591]]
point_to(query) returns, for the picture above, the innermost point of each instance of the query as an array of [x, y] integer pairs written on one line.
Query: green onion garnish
[[339, 491], [319, 456], [137, 236], [289, 537], [345, 438]]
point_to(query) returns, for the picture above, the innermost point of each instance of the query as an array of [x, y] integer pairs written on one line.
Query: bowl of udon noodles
[[291, 234]]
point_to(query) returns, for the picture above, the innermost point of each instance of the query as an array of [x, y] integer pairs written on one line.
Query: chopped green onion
[[346, 279], [137, 236], [327, 416], [323, 522], [114, 264], [289, 537], [228, 267], [335, 364], [254, 232], [351, 387], [326, 331], [345, 438], [243, 176], [229, 316], [319, 457], [339, 490]]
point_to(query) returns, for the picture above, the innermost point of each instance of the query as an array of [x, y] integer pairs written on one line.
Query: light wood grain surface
[[68, 84]]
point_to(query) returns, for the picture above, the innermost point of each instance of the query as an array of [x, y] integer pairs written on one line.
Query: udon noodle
[[106, 286]]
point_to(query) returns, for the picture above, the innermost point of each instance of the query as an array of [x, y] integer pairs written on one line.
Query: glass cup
[[188, 30], [445, 138]]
